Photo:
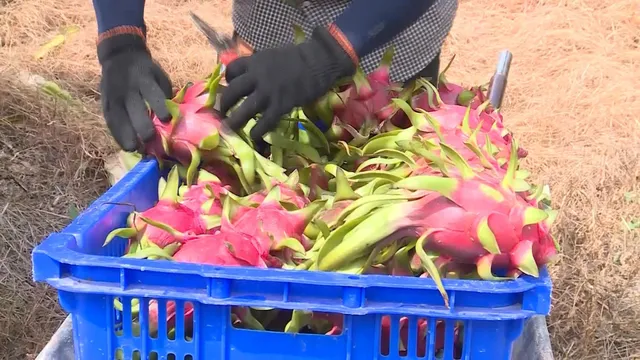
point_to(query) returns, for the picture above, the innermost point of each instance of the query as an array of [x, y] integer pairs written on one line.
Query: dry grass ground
[[572, 100]]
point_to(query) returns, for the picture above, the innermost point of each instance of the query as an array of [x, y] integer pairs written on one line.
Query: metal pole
[[498, 84]]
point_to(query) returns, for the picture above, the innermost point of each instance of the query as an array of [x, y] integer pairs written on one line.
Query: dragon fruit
[[154, 309], [171, 317], [168, 211], [275, 228], [463, 217], [221, 248], [436, 192], [448, 93], [458, 125], [362, 106], [289, 196], [422, 336], [327, 217], [292, 194], [204, 196], [196, 131], [319, 322], [227, 173], [316, 179], [344, 196], [243, 314]]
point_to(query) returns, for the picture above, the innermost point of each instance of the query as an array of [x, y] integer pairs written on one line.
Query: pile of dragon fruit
[[408, 180]]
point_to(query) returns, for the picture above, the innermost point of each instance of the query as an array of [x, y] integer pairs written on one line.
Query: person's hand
[[129, 78], [277, 80]]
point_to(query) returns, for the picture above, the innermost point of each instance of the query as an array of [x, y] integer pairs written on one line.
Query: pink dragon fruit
[[171, 317], [226, 248], [292, 195], [204, 196], [275, 228], [360, 108], [344, 196], [449, 93], [465, 130], [196, 131], [226, 173], [463, 217], [316, 179], [168, 211], [385, 337]]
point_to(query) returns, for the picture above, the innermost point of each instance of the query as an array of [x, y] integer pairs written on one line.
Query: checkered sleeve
[[268, 23]]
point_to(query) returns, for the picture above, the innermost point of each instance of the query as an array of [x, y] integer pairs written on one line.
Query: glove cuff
[[344, 43], [338, 47], [120, 39]]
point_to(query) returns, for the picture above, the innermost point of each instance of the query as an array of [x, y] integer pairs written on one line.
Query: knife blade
[[219, 42]]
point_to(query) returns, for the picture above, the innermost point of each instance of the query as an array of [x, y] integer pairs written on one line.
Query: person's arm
[[116, 17], [300, 74], [131, 82], [368, 24]]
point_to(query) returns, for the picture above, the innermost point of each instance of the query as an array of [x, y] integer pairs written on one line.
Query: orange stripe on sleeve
[[121, 30], [344, 42]]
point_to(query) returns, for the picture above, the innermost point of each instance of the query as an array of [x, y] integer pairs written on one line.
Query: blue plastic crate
[[89, 277]]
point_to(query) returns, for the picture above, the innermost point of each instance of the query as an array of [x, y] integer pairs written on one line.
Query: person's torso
[[269, 23]]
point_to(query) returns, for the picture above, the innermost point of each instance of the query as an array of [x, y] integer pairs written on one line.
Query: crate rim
[[182, 293], [55, 248]]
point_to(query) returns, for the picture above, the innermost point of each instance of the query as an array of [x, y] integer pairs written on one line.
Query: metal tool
[[498, 84], [219, 42], [225, 46]]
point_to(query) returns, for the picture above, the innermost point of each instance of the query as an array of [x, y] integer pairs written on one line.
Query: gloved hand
[[277, 80], [129, 77]]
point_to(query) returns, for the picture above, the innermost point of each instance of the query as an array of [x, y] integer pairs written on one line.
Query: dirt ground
[[572, 100]]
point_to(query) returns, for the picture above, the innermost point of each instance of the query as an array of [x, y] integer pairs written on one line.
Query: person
[[279, 75]]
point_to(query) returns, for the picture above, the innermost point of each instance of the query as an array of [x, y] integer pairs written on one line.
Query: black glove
[[129, 77], [277, 80]]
